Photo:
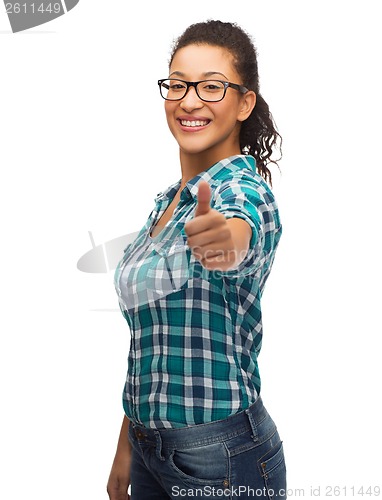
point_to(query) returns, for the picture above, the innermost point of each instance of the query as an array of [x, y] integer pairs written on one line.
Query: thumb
[[204, 197]]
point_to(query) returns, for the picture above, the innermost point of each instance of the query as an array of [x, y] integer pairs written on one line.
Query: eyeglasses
[[206, 90]]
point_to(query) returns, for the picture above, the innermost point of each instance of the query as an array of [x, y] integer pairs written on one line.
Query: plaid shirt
[[196, 333]]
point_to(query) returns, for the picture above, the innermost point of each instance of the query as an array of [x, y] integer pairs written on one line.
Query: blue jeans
[[239, 457]]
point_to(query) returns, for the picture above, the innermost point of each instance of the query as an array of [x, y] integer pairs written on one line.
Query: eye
[[213, 86], [175, 85]]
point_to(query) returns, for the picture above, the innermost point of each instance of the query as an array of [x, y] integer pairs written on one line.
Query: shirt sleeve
[[250, 199]]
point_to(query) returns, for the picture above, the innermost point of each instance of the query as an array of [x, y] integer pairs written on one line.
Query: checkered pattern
[[195, 333]]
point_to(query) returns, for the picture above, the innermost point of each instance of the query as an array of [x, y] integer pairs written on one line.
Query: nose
[[191, 100]]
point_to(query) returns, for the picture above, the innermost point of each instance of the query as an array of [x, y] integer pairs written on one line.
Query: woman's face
[[218, 133]]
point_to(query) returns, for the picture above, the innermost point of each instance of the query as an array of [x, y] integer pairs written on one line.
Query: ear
[[247, 105]]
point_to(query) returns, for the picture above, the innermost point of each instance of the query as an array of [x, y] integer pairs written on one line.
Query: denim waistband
[[203, 434]]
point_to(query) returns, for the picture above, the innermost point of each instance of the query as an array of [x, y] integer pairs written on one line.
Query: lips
[[193, 122]]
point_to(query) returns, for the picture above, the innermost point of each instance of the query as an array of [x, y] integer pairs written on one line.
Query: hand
[[119, 479], [209, 235]]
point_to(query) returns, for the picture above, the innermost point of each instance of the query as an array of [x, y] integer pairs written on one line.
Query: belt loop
[[158, 448], [252, 423]]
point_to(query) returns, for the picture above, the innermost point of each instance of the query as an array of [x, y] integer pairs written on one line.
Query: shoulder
[[243, 189], [243, 182]]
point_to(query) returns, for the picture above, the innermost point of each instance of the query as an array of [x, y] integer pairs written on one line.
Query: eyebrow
[[207, 74]]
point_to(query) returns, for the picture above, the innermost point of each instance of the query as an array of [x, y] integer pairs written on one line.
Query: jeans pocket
[[273, 470], [203, 465]]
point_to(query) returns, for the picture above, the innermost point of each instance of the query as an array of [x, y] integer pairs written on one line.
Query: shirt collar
[[212, 175]]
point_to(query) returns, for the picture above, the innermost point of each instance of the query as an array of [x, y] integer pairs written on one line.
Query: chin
[[195, 146], [193, 150]]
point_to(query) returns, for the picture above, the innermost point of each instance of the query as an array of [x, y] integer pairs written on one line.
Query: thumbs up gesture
[[209, 235]]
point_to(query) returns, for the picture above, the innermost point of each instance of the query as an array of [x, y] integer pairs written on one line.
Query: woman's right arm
[[119, 479]]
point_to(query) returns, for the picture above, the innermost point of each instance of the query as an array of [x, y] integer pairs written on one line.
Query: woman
[[190, 285]]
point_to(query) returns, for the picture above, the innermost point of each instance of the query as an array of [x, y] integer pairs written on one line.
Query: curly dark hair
[[258, 134]]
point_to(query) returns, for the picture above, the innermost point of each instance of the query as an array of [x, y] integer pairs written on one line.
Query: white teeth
[[196, 123]]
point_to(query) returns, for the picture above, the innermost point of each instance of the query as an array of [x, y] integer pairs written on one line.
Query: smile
[[196, 123]]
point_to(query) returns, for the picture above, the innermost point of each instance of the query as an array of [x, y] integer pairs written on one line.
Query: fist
[[208, 234]]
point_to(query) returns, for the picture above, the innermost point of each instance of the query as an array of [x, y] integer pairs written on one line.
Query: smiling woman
[[219, 105], [190, 288]]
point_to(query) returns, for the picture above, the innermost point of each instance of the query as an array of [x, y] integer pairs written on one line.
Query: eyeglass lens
[[210, 90]]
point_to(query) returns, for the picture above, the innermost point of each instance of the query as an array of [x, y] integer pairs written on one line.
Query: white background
[[82, 148]]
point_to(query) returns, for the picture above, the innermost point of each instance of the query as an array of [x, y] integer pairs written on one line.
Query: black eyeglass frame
[[235, 86]]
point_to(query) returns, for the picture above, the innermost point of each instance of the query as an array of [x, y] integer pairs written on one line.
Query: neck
[[194, 164]]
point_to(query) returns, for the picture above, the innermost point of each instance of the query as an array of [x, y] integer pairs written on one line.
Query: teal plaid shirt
[[196, 333]]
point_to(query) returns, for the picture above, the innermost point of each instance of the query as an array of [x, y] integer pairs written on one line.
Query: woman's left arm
[[241, 233]]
